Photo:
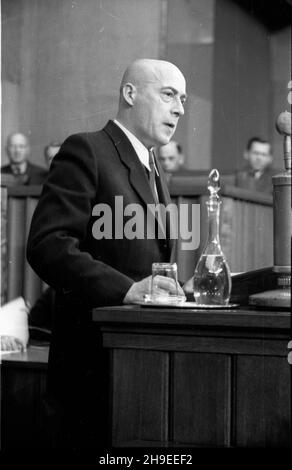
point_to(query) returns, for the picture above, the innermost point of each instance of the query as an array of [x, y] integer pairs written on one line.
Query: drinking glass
[[166, 270]]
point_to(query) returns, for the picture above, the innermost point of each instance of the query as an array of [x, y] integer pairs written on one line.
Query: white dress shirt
[[140, 149]]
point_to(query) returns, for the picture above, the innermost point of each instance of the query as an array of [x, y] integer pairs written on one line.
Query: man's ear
[[129, 93]]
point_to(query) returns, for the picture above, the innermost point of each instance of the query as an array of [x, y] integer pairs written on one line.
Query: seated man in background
[[50, 151], [20, 170], [171, 158], [257, 175]]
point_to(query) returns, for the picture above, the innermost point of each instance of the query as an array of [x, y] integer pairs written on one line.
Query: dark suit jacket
[[34, 174], [41, 313], [246, 179], [91, 168]]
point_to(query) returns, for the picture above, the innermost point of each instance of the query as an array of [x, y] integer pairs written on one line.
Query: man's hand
[[188, 287], [163, 285]]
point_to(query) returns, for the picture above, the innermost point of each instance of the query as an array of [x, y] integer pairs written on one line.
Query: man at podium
[[88, 270]]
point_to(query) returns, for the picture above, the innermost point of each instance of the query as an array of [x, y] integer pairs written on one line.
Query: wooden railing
[[246, 232], [246, 225], [18, 279]]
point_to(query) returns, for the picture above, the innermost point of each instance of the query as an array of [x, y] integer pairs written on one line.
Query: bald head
[[17, 136], [17, 148], [152, 95], [143, 71]]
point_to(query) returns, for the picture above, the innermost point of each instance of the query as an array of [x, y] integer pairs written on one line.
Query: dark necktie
[[16, 171], [155, 192], [152, 176]]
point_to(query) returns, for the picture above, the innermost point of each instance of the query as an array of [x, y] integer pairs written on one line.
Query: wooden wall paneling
[[233, 233], [15, 237], [247, 239], [32, 284], [263, 402], [187, 259], [203, 225], [238, 237], [227, 230], [204, 413], [253, 241], [229, 239], [140, 391], [4, 202], [247, 231], [259, 234], [267, 229], [175, 252], [251, 235], [178, 257], [262, 236]]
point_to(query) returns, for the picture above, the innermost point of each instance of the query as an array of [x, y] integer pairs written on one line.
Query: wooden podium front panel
[[263, 402], [16, 213], [139, 391], [185, 377], [201, 406]]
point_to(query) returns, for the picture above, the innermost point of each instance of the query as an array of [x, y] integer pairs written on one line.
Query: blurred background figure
[[20, 170], [171, 157], [14, 333], [258, 172], [50, 151]]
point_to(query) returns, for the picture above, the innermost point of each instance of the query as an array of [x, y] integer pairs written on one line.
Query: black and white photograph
[[146, 229]]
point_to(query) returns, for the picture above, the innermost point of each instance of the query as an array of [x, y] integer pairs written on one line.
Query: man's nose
[[178, 108]]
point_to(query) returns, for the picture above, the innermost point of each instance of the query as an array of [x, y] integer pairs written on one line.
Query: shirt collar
[[258, 174], [19, 169], [140, 149]]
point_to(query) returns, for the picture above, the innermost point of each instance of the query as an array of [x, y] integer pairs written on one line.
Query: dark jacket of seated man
[[33, 174], [261, 181]]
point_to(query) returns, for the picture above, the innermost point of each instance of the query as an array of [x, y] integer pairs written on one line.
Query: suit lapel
[[165, 199], [128, 156], [137, 173], [161, 184]]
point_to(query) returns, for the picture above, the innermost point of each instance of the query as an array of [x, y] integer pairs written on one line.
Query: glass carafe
[[212, 279]]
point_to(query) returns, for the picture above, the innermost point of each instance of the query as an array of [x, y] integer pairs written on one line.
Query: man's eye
[[169, 95]]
